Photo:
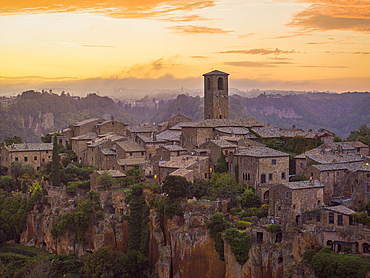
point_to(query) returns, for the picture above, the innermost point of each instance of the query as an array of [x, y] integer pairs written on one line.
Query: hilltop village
[[308, 200]]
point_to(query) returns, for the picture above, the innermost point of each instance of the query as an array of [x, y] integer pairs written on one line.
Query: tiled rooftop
[[107, 151], [327, 156], [341, 209], [142, 129], [114, 173], [215, 72], [260, 152], [182, 172], [274, 132], [304, 184], [350, 166], [234, 130], [358, 144], [150, 139], [132, 161], [223, 144], [86, 136], [130, 146], [227, 123], [87, 121], [169, 135], [30, 147], [182, 161], [180, 125], [174, 148]]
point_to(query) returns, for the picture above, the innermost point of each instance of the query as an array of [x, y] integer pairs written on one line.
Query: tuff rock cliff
[[179, 247]]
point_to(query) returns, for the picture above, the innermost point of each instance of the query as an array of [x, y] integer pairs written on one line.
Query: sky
[[104, 46]]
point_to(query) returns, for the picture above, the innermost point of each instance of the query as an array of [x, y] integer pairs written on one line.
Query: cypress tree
[[55, 173]]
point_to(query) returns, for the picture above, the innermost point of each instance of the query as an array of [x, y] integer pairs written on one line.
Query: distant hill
[[32, 114]]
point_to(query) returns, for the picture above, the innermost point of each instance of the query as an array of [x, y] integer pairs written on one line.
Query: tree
[[222, 185], [249, 199], [362, 135], [105, 180], [13, 140], [216, 226], [221, 166], [175, 186], [55, 168], [7, 183], [16, 169]]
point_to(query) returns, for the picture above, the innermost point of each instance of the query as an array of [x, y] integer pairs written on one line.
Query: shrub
[[216, 226], [273, 228], [235, 211], [240, 243], [71, 189], [242, 224]]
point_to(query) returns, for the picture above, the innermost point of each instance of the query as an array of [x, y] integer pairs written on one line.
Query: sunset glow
[[280, 44]]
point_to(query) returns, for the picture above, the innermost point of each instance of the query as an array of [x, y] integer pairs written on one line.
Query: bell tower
[[216, 95]]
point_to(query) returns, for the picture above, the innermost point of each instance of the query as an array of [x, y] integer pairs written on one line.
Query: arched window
[[208, 83], [220, 116], [220, 83]]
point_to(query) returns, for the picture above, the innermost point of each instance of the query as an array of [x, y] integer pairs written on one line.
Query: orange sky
[[102, 46]]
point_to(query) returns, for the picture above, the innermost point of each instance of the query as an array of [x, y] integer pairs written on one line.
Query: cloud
[[331, 67], [79, 45], [246, 35], [191, 29], [259, 51], [252, 64], [172, 10], [199, 57], [324, 15]]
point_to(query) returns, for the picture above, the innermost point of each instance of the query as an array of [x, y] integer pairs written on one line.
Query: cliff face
[[179, 247]]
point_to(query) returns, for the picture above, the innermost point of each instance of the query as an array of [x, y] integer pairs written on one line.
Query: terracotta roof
[[114, 173], [182, 161], [260, 152], [170, 135], [132, 161], [215, 72], [341, 209], [30, 147], [304, 184], [131, 146]]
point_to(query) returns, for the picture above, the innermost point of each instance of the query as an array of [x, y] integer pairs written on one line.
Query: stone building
[[147, 130], [288, 201], [37, 154], [260, 165], [216, 147], [115, 174], [113, 126], [216, 95], [150, 144], [164, 153], [198, 165], [129, 154], [79, 144], [195, 134], [179, 118]]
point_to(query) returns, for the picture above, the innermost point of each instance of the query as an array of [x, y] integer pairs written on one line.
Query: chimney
[[311, 182], [112, 118]]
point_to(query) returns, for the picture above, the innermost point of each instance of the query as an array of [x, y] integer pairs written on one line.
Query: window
[[293, 206], [35, 158], [244, 177], [340, 220], [123, 168], [205, 175], [301, 165], [337, 173], [263, 178], [208, 83], [259, 237], [279, 208], [368, 176], [358, 150], [150, 156], [25, 159], [60, 141], [318, 218], [226, 151], [251, 161], [130, 154], [331, 217], [142, 153], [283, 175], [220, 83], [248, 176], [270, 177], [368, 187], [273, 162], [309, 216], [47, 152], [16, 158]]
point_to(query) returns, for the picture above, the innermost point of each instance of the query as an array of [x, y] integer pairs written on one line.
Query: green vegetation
[[55, 166], [362, 135], [217, 225], [105, 180], [273, 228], [249, 199], [175, 187], [240, 243], [362, 218], [242, 225], [221, 166], [78, 222]]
